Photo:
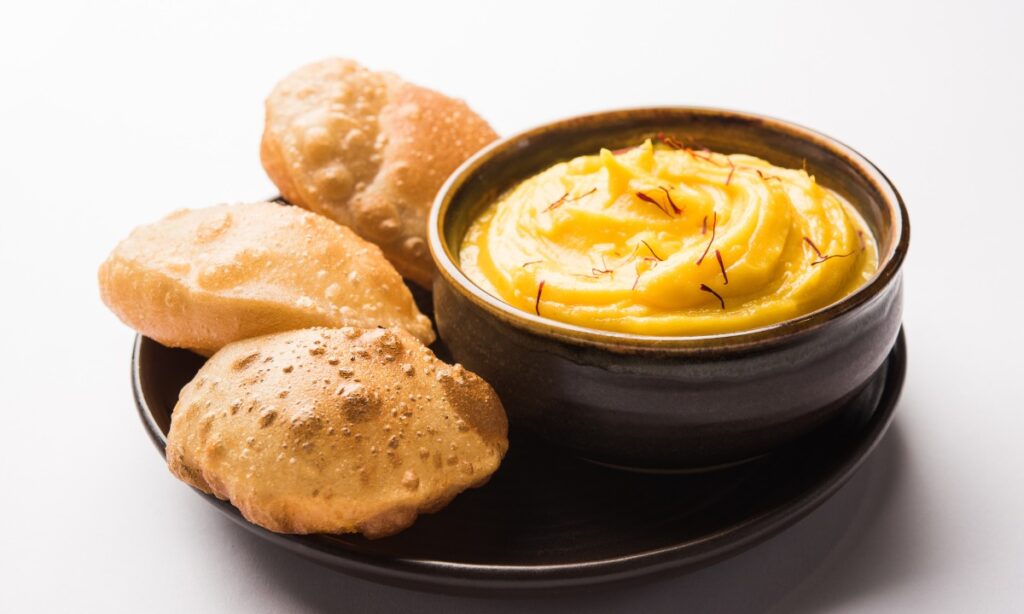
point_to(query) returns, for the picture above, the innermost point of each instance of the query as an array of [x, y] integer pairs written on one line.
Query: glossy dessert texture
[[335, 430], [368, 150], [669, 239], [200, 279]]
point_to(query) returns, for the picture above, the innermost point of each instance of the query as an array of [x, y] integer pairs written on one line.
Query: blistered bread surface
[[369, 151], [200, 279], [335, 430]]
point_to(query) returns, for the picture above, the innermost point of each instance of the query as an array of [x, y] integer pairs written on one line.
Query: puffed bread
[[332, 431], [200, 279], [369, 151]]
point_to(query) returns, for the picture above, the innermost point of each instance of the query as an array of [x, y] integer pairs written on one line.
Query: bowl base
[[674, 471]]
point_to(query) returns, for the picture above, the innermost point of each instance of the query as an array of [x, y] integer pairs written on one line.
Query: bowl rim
[[448, 268]]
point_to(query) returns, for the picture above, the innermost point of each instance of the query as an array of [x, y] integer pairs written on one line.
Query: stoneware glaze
[[669, 403]]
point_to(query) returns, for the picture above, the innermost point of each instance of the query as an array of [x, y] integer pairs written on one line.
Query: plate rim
[[469, 578]]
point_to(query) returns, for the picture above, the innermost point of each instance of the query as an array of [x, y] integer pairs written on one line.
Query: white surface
[[112, 115]]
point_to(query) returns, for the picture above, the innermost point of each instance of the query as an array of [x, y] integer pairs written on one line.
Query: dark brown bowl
[[669, 403]]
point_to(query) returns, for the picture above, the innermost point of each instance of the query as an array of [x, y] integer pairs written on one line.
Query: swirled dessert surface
[[669, 239]]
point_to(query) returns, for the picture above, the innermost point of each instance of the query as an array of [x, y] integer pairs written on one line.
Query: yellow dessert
[[665, 239]]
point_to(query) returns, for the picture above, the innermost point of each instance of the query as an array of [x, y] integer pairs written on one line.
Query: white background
[[112, 115]]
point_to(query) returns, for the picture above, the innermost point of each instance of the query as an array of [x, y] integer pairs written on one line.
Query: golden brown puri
[[201, 279], [368, 150], [335, 430]]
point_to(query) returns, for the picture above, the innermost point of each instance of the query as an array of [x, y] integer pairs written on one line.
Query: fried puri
[[335, 430], [200, 279], [369, 151]]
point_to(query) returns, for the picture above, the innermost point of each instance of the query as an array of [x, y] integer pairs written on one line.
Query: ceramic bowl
[[669, 403]]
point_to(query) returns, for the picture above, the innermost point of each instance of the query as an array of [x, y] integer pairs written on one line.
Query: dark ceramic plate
[[548, 521]]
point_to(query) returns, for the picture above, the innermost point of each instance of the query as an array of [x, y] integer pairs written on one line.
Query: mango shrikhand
[[664, 239]]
